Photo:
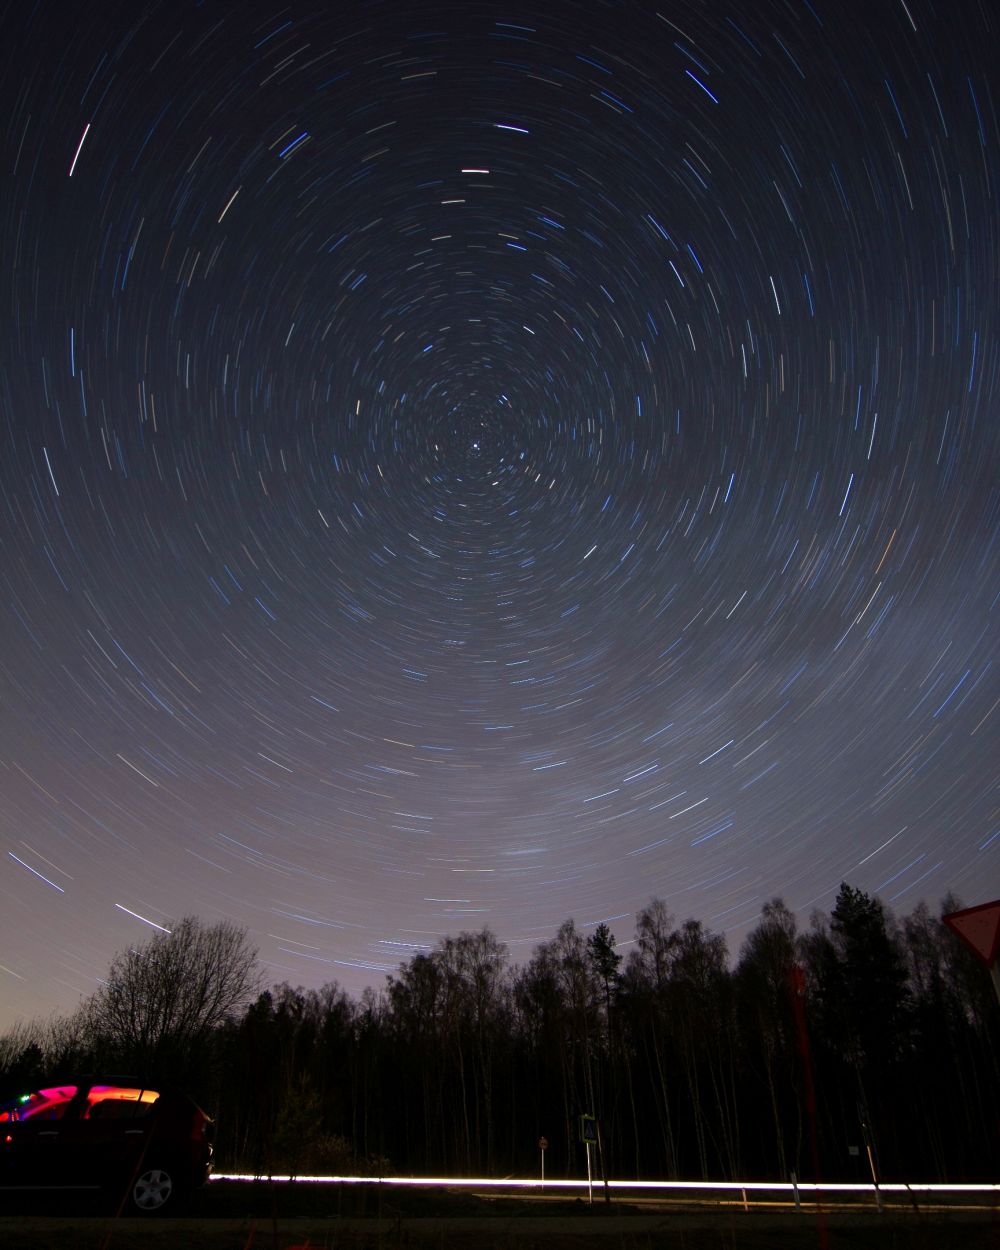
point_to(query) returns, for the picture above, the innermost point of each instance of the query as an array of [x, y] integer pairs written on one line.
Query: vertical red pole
[[798, 980]]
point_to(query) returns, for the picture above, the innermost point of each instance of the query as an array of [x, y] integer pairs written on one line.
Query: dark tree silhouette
[[162, 1001], [462, 1062]]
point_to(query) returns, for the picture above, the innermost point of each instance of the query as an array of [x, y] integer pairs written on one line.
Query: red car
[[143, 1146]]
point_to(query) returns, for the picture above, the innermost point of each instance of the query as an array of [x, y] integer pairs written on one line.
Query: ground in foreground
[[225, 1217]]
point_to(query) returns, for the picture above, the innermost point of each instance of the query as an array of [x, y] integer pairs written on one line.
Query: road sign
[[979, 929], [588, 1135], [543, 1143]]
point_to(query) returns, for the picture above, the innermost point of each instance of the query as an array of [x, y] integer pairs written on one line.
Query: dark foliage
[[860, 1033]]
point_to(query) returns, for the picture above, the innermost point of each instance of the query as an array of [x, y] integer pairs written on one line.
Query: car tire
[[154, 1191]]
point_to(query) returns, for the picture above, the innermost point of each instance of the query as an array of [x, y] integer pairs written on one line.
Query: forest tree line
[[861, 1031]]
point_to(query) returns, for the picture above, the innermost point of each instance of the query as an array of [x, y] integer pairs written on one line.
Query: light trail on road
[[792, 1188]]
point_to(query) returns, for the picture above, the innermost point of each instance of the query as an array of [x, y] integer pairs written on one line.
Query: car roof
[[87, 1081]]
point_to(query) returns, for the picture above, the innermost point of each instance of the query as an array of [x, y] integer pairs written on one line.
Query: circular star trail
[[479, 465]]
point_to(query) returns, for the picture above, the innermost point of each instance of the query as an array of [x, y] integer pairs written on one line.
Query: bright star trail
[[478, 465]]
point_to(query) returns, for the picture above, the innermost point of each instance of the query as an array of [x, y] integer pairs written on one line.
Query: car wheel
[[153, 1190]]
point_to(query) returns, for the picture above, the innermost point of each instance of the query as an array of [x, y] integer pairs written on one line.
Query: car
[[144, 1145]]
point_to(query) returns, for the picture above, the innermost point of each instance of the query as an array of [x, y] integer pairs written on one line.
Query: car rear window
[[107, 1102]]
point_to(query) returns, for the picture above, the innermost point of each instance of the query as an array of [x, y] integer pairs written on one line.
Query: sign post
[[866, 1133], [543, 1145], [979, 929], [588, 1135]]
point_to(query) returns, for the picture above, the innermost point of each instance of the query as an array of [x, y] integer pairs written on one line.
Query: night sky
[[479, 464]]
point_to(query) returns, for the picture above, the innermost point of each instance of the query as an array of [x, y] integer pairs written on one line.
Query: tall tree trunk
[[666, 1121], [630, 1084]]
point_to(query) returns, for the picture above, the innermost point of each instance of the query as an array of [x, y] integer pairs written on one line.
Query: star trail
[[477, 465]]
